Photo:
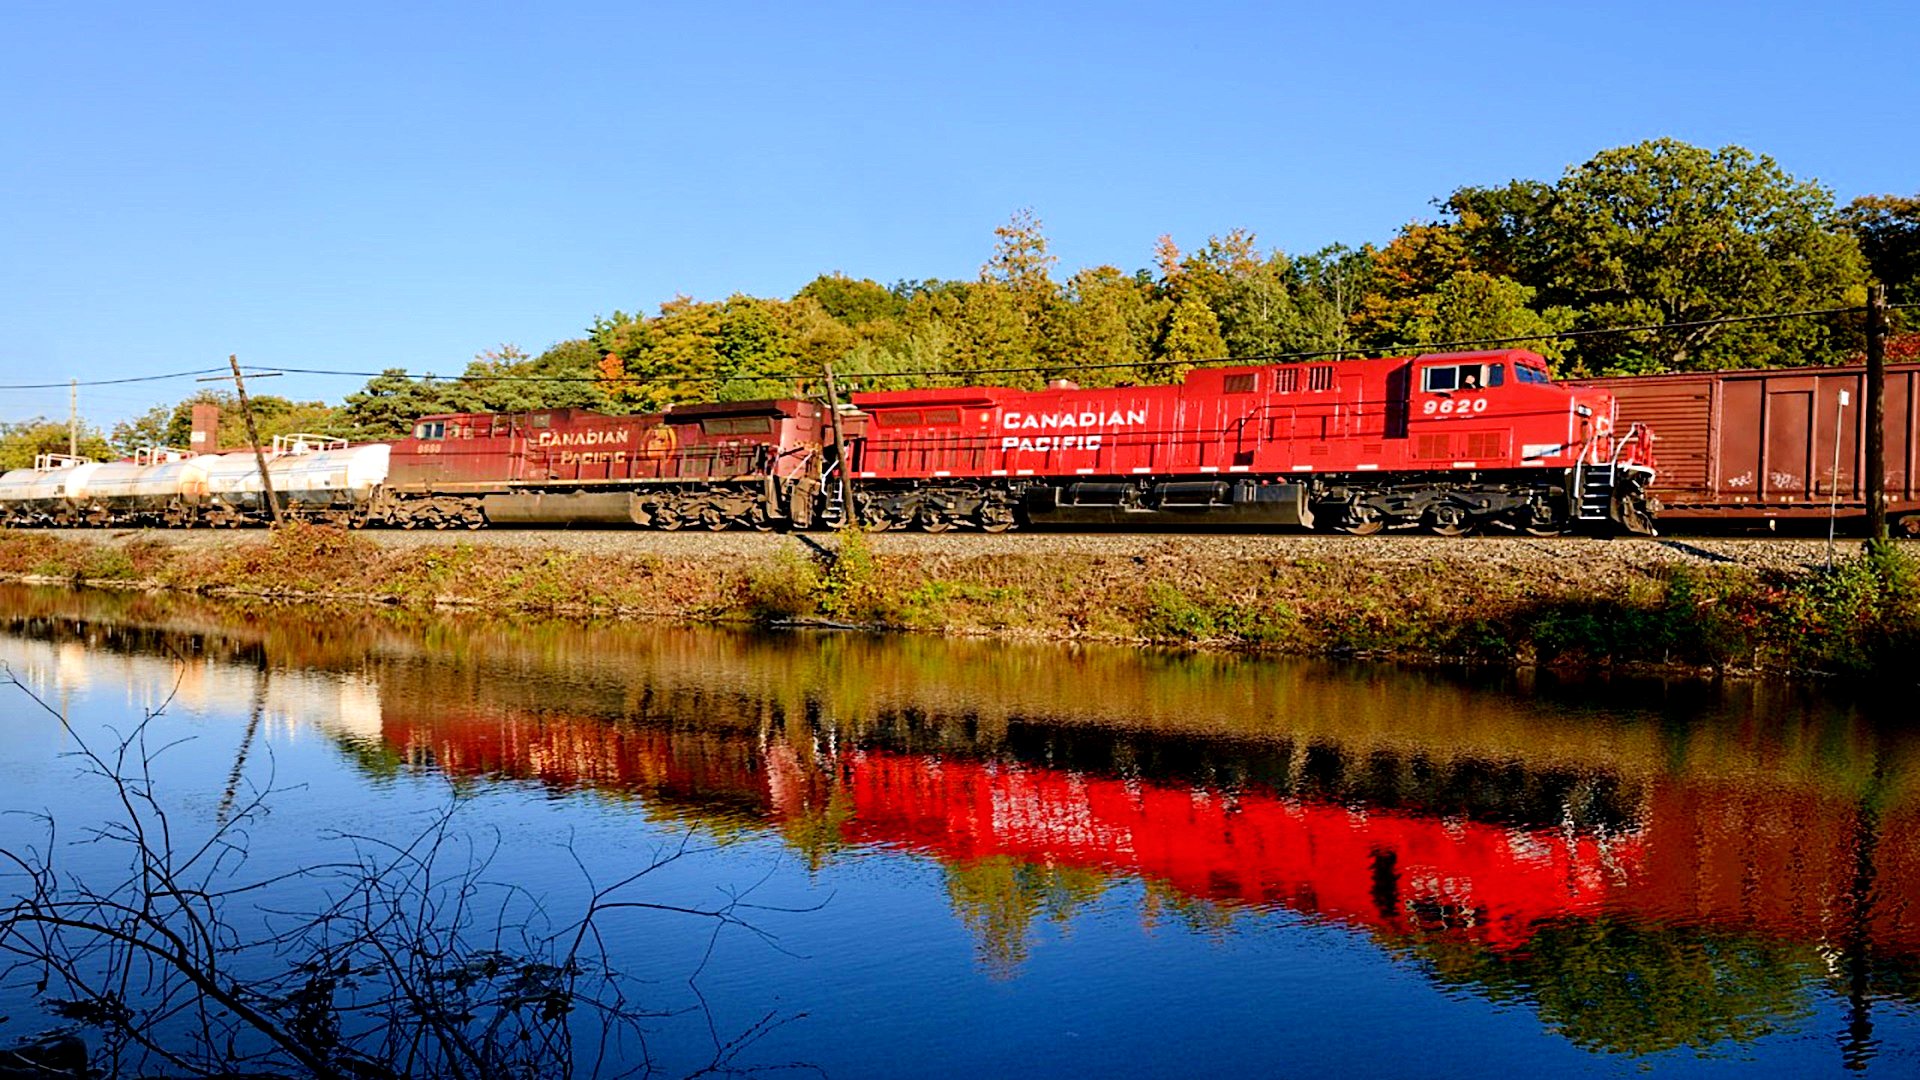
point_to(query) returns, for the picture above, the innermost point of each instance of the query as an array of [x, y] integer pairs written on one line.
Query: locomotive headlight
[[1583, 410]]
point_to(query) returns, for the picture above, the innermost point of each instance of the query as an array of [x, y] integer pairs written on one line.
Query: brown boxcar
[[1760, 446]]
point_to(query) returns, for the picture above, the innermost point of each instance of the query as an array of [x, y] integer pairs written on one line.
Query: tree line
[[1661, 234]]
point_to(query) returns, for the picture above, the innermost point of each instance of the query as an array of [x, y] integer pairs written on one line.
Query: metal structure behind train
[[1446, 442]]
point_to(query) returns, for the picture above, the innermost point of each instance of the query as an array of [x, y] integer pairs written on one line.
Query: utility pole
[[73, 419], [1876, 486], [253, 436], [848, 514]]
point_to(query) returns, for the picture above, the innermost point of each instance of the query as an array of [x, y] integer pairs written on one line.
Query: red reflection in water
[[1781, 861], [1385, 869]]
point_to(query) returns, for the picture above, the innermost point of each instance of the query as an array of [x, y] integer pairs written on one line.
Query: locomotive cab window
[[1453, 377], [1237, 384], [430, 429]]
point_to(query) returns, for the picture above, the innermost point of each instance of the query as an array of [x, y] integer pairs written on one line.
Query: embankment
[[1698, 605]]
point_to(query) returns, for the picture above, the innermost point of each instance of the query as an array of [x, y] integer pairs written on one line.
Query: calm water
[[978, 858]]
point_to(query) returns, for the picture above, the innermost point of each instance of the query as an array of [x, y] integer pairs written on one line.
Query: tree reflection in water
[[1646, 865]]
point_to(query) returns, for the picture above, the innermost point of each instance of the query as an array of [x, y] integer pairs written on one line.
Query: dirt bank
[[1694, 603]]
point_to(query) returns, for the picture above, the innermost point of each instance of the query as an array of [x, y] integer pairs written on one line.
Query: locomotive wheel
[[1362, 521], [996, 518], [936, 523], [713, 519], [1449, 521], [667, 519], [1544, 530]]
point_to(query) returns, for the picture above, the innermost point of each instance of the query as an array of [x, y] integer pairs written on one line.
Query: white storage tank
[[335, 476], [110, 487], [14, 485], [182, 478], [54, 491], [233, 481]]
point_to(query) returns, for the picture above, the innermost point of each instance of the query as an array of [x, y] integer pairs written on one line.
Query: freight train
[[1449, 442], [1770, 447]]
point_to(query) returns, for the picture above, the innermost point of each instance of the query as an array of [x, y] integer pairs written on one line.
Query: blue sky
[[371, 185]]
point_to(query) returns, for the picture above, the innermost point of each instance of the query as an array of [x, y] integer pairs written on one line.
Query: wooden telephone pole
[[253, 436], [848, 514], [1876, 389]]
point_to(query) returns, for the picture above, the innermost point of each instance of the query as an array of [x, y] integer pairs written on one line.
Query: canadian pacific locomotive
[[1449, 442]]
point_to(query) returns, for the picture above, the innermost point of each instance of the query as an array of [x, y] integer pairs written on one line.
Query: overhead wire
[[1034, 369]]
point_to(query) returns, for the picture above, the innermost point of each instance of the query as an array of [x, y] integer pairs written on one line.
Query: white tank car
[[151, 487], [53, 494], [233, 482], [309, 473], [108, 493], [312, 473], [14, 485], [173, 489]]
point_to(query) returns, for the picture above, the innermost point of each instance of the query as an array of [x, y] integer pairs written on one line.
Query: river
[[959, 858]]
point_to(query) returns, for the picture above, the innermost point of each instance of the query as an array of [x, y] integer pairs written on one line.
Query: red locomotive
[[747, 463], [1450, 441]]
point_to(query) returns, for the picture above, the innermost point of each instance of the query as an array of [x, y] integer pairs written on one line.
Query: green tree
[[1107, 319], [1474, 309], [140, 432], [389, 404], [1330, 288], [1191, 334], [853, 302], [22, 441], [1887, 228], [507, 380], [739, 349], [1678, 235], [1247, 292]]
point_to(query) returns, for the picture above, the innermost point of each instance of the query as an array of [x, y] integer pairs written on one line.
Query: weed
[[787, 586]]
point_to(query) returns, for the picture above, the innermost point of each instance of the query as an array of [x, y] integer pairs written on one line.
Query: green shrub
[[849, 589], [787, 586]]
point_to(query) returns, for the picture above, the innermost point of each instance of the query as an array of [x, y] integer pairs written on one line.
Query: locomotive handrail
[[1637, 433]]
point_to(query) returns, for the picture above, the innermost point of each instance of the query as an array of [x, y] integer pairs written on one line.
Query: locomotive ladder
[[1596, 492]]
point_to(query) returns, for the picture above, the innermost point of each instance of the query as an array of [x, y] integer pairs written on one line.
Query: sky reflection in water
[[1040, 860]]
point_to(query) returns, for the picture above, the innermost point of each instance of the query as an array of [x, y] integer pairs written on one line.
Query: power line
[[1257, 358], [107, 382]]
